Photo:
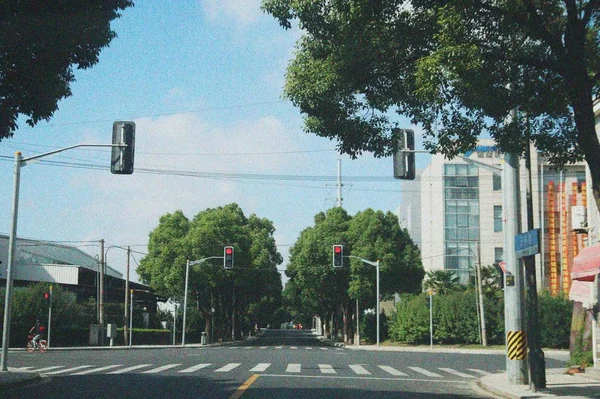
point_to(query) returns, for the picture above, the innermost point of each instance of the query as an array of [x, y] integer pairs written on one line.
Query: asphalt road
[[280, 364]]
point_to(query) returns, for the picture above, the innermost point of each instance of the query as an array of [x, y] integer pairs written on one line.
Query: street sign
[[528, 243]]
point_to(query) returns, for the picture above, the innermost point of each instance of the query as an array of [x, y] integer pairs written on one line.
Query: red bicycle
[[42, 345]]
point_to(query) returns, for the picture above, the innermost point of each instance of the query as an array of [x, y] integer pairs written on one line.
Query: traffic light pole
[[376, 264], [187, 277], [19, 163]]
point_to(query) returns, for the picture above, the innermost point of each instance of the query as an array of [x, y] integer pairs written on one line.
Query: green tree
[[317, 288], [442, 282], [457, 68], [247, 295], [40, 42]]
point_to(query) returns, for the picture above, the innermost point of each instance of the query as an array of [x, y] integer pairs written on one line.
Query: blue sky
[[203, 81]]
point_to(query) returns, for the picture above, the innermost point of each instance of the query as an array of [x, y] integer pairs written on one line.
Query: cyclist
[[37, 330]]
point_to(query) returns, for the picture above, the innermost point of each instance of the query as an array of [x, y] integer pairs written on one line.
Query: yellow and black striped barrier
[[516, 344]]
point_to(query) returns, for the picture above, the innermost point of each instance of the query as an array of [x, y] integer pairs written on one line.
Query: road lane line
[[308, 347], [293, 368], [425, 372], [482, 372], [393, 371], [161, 368], [293, 347], [358, 369], [68, 370], [324, 349], [456, 373], [247, 347], [263, 347], [227, 368], [278, 347], [240, 391], [195, 368], [132, 368], [261, 367], [98, 369], [327, 369]]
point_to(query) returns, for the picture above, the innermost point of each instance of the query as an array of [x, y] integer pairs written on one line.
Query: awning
[[587, 264]]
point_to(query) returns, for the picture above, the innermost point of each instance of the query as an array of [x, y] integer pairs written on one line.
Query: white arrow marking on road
[[358, 369], [161, 368], [195, 368], [457, 373], [261, 367], [68, 370], [327, 369], [425, 372], [127, 369], [227, 368], [293, 368], [112, 366], [393, 371]]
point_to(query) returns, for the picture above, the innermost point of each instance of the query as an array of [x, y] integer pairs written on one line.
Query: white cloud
[[241, 11]]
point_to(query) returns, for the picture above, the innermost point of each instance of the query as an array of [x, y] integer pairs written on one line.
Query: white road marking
[[358, 369], [482, 372], [127, 369], [278, 347], [161, 368], [425, 372], [293, 368], [456, 373], [327, 369], [293, 347], [393, 371], [261, 367], [227, 368], [68, 370], [43, 369], [98, 369], [194, 368]]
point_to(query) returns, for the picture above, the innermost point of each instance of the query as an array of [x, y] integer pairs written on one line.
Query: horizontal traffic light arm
[[197, 262], [25, 160], [368, 262]]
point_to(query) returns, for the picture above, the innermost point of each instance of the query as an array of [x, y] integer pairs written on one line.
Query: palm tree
[[442, 282]]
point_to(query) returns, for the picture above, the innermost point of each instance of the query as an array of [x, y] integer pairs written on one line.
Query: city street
[[279, 364]]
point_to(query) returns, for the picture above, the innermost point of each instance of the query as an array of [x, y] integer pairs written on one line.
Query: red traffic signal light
[[228, 257], [338, 256], [46, 296]]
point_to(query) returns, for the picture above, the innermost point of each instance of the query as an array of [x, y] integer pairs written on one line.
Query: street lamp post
[[187, 276], [376, 264]]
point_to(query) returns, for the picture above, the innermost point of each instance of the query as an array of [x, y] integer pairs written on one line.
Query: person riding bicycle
[[37, 330]]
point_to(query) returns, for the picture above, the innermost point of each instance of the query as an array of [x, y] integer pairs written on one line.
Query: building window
[[497, 182], [498, 255], [497, 218]]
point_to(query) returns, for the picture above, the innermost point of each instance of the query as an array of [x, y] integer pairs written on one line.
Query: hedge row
[[456, 319]]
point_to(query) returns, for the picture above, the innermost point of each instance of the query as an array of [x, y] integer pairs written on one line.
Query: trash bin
[[203, 338]]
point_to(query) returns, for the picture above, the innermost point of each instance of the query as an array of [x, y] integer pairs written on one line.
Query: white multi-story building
[[461, 215]]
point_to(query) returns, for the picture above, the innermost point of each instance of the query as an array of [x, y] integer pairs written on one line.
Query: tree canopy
[[315, 287], [250, 293], [456, 68], [40, 42]]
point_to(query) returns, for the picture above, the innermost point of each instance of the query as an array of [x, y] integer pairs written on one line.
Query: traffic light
[[404, 162], [122, 157], [338, 256], [47, 296], [228, 257]]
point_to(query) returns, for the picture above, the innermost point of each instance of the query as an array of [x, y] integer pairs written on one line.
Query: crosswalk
[[358, 370]]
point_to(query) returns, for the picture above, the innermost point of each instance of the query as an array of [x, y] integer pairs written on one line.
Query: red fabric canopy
[[587, 264]]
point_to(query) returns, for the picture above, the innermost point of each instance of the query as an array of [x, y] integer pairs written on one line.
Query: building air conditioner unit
[[579, 218]]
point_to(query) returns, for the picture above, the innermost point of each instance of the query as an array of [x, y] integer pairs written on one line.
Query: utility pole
[[125, 327], [516, 338], [481, 307], [537, 363], [101, 299]]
